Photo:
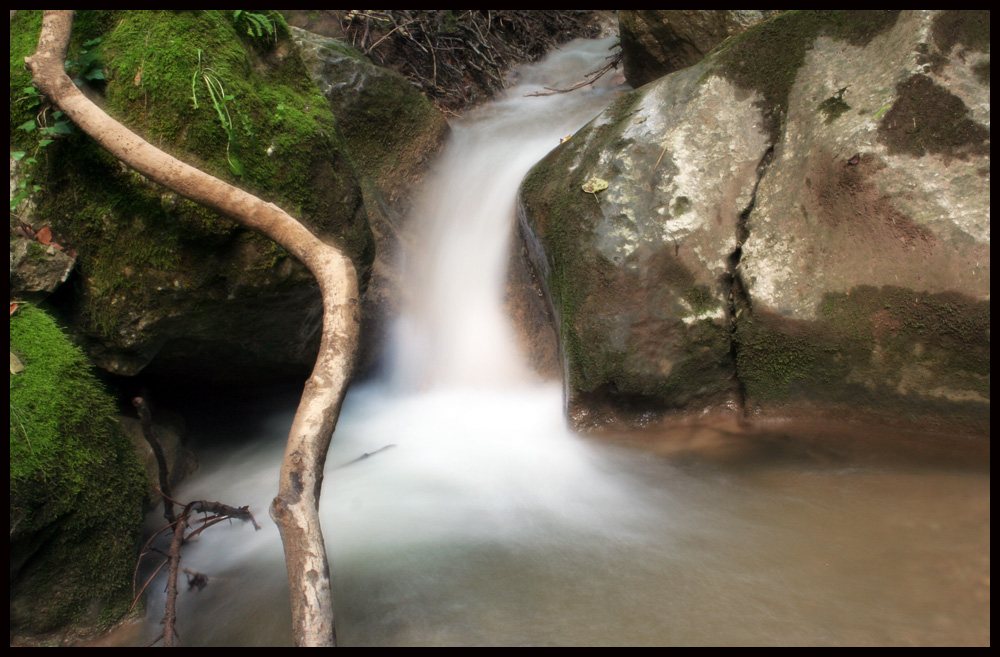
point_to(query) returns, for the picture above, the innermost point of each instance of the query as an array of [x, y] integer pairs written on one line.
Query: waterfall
[[479, 518]]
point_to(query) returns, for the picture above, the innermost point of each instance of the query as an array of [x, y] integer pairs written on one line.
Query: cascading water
[[488, 522]]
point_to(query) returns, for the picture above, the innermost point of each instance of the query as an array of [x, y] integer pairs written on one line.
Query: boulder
[[866, 269], [172, 288], [656, 42], [639, 274], [798, 225], [76, 492], [392, 133], [37, 269]]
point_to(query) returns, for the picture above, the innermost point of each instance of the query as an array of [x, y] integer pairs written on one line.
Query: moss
[[766, 58], [969, 28], [701, 299], [927, 118], [682, 205], [865, 346], [76, 488], [133, 239]]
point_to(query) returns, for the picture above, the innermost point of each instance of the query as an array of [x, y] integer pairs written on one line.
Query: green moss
[[133, 239], [682, 205], [76, 488], [701, 299], [865, 349], [766, 58], [927, 118]]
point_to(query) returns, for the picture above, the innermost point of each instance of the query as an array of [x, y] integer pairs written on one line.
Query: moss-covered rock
[[158, 274], [638, 273], [392, 132], [866, 266], [76, 490], [820, 184]]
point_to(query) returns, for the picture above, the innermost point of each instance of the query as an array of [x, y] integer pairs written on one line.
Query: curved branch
[[296, 508]]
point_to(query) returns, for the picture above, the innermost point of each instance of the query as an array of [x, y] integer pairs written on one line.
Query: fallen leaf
[[595, 185]]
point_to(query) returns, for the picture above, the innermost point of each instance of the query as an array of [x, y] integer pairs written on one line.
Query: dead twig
[[196, 580], [588, 79]]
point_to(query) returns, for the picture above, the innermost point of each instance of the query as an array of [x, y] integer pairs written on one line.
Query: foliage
[[256, 24], [220, 100]]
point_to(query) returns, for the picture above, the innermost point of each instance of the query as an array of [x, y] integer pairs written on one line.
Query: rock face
[[798, 225], [160, 278], [656, 42], [36, 270]]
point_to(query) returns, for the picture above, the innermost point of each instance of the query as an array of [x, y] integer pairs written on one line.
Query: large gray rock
[[639, 274], [799, 224], [867, 262]]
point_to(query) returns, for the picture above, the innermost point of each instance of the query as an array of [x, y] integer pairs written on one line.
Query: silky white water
[[488, 522]]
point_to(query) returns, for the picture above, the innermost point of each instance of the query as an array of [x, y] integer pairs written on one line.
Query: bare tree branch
[[296, 508]]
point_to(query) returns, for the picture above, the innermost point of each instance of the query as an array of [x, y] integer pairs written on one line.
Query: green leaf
[[96, 74], [17, 198], [17, 156], [44, 142], [28, 126], [236, 166]]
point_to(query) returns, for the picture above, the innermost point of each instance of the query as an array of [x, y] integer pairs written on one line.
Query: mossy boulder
[[657, 42], [638, 266], [76, 491], [800, 222], [158, 275], [867, 262], [392, 132]]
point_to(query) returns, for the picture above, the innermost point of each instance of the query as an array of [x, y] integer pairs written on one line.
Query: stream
[[488, 522]]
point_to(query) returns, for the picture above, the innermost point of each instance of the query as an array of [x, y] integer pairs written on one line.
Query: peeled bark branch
[[296, 508]]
